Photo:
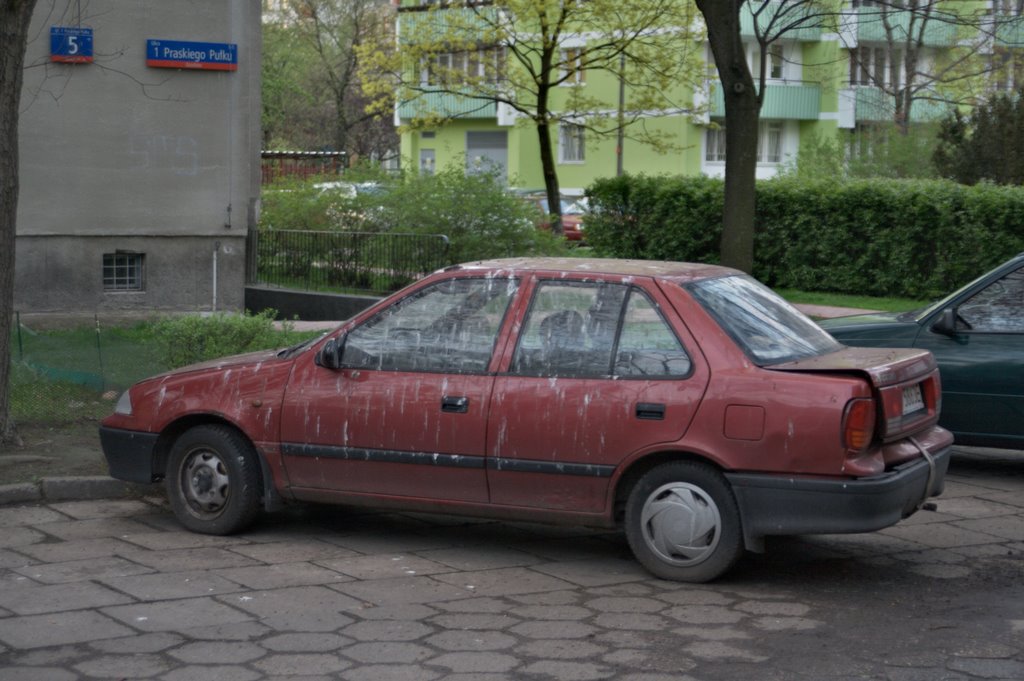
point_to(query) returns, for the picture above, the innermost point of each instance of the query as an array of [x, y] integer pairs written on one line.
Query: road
[[116, 590]]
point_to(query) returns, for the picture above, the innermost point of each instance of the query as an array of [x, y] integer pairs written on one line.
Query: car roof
[[679, 271]]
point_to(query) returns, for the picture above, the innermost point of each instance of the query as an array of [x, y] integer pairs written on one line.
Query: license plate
[[912, 400]]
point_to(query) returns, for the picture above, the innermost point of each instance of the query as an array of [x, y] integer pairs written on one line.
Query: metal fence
[[278, 165], [343, 262], [70, 374]]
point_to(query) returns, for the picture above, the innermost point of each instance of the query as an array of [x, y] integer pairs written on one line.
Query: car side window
[[999, 307], [647, 345], [450, 327], [582, 329], [570, 330]]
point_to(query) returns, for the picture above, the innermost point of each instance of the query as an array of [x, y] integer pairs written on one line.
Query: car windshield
[[765, 326], [920, 314]]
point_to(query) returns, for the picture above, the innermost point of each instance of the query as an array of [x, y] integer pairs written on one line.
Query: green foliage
[[297, 204], [195, 338], [886, 151], [480, 218], [909, 238], [629, 214], [478, 215], [987, 145]]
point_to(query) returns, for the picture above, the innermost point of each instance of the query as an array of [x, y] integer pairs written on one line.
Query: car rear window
[[766, 327]]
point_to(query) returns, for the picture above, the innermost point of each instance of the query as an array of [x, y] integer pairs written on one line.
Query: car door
[[406, 415], [982, 364], [597, 374]]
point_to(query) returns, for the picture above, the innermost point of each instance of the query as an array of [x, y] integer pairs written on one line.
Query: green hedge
[[907, 238]]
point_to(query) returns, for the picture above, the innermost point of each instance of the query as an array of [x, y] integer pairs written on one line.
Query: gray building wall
[[117, 157]]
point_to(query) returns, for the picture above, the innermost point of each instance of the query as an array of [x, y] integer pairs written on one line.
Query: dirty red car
[[686, 403]]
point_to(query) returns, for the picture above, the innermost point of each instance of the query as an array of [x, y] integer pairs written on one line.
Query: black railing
[[370, 262]]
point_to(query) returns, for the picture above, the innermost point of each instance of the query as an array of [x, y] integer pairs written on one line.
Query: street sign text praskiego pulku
[[180, 54]]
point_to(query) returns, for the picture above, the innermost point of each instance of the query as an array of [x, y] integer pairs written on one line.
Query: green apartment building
[[831, 76]]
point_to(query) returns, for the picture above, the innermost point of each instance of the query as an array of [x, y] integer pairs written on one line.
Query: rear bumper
[[785, 505], [129, 453]]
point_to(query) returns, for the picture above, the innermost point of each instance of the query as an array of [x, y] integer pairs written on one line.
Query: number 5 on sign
[[70, 45]]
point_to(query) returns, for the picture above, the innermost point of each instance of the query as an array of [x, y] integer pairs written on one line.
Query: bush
[[906, 238], [196, 338], [478, 215]]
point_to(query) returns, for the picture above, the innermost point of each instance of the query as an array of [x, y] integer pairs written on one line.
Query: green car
[[977, 336]]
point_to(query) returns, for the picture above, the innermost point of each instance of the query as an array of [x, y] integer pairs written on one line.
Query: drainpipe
[[216, 248]]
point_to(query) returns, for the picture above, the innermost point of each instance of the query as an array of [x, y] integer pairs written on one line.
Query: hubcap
[[681, 524], [204, 481]]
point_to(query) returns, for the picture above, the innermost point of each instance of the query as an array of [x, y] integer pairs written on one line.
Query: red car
[[572, 215], [687, 403]]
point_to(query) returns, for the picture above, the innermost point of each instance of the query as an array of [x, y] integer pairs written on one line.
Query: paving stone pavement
[[115, 589]]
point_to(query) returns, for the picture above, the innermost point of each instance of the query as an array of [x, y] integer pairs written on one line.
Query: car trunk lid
[[905, 382]]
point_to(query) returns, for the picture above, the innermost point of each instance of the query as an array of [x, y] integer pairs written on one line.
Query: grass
[[65, 376], [844, 300]]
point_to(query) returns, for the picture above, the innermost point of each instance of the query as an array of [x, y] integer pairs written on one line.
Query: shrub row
[[907, 238]]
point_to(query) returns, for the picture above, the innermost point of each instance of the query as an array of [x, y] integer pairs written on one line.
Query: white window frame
[[572, 143], [868, 62], [714, 145], [124, 271], [570, 67], [771, 142]]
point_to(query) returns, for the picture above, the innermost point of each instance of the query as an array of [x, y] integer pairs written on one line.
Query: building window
[[715, 152], [1006, 69], [123, 271], [875, 66], [571, 70], [769, 143], [775, 66], [446, 68], [571, 143]]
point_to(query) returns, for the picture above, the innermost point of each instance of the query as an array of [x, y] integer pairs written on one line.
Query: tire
[[213, 480], [682, 522]]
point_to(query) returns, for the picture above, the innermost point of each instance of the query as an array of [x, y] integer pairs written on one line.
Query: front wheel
[[213, 480], [682, 522]]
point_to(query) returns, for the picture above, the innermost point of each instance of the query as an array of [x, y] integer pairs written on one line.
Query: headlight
[[124, 404]]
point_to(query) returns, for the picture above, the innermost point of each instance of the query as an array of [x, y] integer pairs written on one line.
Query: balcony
[[864, 104], [782, 101], [447, 105], [869, 24], [810, 33]]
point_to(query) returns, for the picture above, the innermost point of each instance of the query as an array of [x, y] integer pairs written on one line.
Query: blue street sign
[[70, 45], [180, 54]]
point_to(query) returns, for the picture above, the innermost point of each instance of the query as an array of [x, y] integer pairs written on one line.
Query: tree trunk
[[547, 162], [742, 109], [15, 16]]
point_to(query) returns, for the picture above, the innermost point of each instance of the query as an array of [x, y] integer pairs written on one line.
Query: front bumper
[[780, 505], [129, 454]]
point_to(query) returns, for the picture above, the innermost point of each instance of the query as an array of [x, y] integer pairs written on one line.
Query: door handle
[[455, 405], [650, 411]]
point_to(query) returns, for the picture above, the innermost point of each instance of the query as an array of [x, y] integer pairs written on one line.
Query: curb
[[73, 489]]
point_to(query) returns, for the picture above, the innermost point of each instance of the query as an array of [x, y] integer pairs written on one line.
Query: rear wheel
[[682, 522], [213, 480]]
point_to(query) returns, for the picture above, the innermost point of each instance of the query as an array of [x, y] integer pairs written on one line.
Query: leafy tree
[[15, 16], [987, 144], [312, 93], [516, 53]]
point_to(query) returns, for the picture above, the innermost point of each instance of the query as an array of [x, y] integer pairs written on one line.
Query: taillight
[[858, 424]]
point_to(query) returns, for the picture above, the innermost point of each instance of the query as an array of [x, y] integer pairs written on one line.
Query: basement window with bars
[[123, 271]]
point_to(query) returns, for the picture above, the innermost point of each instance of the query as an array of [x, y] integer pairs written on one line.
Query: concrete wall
[[118, 156], [306, 305]]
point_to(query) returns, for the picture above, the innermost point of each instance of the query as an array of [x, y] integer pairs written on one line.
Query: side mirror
[[329, 356], [946, 323]]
